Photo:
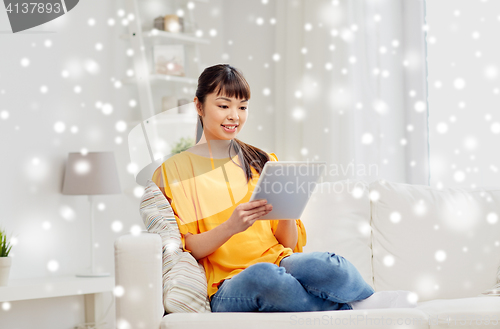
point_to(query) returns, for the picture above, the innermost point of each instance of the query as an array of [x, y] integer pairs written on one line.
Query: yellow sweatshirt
[[203, 193]]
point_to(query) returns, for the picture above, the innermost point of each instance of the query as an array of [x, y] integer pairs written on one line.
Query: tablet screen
[[288, 186]]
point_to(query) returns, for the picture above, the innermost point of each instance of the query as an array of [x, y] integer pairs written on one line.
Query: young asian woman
[[251, 265]]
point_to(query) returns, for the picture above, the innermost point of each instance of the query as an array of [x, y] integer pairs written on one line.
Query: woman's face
[[222, 111]]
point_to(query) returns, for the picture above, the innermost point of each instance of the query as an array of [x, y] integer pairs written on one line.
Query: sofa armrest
[[138, 270]]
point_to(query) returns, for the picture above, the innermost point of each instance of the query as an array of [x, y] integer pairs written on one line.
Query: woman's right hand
[[245, 214]]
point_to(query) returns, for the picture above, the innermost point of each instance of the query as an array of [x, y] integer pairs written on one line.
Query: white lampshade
[[90, 174]]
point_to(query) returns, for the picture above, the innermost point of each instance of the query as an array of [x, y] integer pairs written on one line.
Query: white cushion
[[437, 243], [337, 219], [475, 312], [355, 319], [184, 279]]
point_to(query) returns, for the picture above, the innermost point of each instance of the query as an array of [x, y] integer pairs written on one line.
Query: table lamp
[[91, 174]]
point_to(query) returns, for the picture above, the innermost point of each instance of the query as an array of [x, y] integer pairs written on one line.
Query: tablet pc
[[287, 186]]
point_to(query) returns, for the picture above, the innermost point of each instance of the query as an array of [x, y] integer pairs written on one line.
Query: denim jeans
[[304, 282]]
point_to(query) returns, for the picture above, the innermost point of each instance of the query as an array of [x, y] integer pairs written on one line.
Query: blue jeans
[[304, 282]]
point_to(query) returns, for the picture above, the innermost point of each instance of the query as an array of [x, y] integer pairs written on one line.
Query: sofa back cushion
[[184, 280], [337, 219], [438, 243]]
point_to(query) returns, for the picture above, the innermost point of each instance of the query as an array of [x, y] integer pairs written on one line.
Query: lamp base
[[92, 275]]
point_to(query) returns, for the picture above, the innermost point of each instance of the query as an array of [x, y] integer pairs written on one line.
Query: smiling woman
[[261, 261], [222, 100], [232, 112]]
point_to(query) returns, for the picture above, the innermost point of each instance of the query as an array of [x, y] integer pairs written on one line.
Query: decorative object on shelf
[[169, 59], [5, 259], [182, 145], [159, 23], [173, 23], [182, 25], [180, 105], [168, 103], [91, 174]]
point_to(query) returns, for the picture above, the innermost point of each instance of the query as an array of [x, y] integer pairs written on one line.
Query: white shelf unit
[[140, 39], [172, 119], [185, 38], [144, 78], [158, 78], [60, 286]]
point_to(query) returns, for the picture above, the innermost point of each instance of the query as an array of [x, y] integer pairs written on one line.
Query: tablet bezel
[[264, 176]]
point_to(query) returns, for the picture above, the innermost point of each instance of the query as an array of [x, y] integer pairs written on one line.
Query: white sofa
[[444, 245]]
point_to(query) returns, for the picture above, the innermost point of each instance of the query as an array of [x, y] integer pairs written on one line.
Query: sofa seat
[[390, 252], [462, 312], [435, 314], [366, 319]]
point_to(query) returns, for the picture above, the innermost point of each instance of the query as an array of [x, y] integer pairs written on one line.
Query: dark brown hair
[[228, 81]]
